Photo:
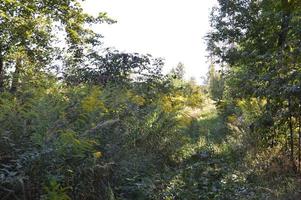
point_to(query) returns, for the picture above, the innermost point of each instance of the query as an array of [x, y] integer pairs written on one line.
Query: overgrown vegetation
[[78, 121], [256, 45]]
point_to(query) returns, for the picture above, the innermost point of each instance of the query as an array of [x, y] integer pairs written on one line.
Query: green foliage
[[29, 32], [80, 122], [55, 192], [178, 72], [215, 83], [96, 141], [258, 42]]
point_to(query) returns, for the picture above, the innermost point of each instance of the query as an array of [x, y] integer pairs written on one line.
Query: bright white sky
[[172, 29]]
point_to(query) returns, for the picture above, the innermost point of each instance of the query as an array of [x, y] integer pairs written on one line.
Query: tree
[[29, 27], [259, 41], [215, 83], [116, 67], [179, 71]]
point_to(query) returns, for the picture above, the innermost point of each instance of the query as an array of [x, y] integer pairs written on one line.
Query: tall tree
[[29, 26], [259, 41], [178, 71], [215, 83]]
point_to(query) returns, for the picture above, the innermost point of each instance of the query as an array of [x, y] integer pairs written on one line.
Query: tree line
[[258, 43], [80, 121]]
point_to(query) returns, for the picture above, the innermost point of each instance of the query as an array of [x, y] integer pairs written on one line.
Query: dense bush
[[87, 142]]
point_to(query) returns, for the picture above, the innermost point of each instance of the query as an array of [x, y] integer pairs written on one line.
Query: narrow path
[[211, 165]]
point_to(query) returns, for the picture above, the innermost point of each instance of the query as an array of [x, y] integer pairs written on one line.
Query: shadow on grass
[[214, 167], [209, 169]]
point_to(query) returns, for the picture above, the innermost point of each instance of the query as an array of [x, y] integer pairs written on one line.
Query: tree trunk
[[299, 143], [16, 76], [291, 136], [1, 73], [274, 137], [286, 18]]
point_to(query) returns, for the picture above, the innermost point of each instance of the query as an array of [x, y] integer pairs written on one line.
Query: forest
[[79, 121]]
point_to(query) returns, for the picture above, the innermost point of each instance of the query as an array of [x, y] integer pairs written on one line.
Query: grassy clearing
[[215, 164]]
